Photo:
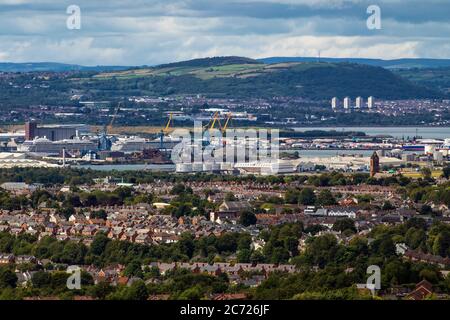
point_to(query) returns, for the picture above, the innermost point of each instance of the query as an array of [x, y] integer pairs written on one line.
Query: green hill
[[388, 64], [53, 67], [211, 62], [433, 78], [243, 77]]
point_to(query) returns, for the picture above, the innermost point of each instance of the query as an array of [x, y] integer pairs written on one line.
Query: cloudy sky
[[138, 32]]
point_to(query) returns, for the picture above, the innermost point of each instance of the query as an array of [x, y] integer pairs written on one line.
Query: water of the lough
[[396, 132]]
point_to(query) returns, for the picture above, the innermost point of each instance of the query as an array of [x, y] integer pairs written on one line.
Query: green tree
[[417, 223], [387, 205], [344, 224], [101, 290], [186, 244], [137, 291], [414, 238], [387, 247], [229, 196], [441, 244], [292, 196], [426, 210], [426, 172], [41, 279], [194, 293], [322, 250], [307, 197], [8, 278], [446, 172], [247, 218], [100, 214], [99, 244], [133, 269], [243, 256], [325, 198], [66, 211]]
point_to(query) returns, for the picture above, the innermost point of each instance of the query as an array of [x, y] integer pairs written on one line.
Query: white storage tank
[[197, 166], [208, 166], [438, 156], [184, 167], [447, 142], [226, 166]]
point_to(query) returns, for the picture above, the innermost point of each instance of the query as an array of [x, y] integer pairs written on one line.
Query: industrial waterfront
[[345, 149]]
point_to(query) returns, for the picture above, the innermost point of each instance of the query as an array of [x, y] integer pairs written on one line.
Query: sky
[[150, 32]]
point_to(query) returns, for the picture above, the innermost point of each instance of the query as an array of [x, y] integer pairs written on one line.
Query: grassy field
[[417, 175], [438, 78], [205, 73]]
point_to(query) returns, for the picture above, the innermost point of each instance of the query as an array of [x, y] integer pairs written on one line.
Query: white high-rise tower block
[[359, 103], [334, 103], [370, 102], [347, 103]]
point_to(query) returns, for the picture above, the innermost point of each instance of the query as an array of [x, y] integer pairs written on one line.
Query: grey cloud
[[157, 31]]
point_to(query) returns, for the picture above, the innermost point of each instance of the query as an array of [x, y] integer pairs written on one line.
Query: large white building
[[370, 102], [18, 160], [347, 103], [359, 103], [268, 167], [44, 146], [334, 103]]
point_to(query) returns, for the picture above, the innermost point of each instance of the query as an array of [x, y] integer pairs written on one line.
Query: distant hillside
[[210, 62], [224, 61], [433, 78], [53, 67], [220, 77], [388, 64]]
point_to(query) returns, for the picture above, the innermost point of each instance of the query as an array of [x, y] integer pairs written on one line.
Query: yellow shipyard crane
[[165, 130], [105, 143], [212, 122], [227, 122], [116, 111]]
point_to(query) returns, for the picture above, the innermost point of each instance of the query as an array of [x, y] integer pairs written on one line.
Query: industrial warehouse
[[40, 145]]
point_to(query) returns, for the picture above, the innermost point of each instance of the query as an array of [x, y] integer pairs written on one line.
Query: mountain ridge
[[53, 67], [220, 77], [401, 63], [241, 77]]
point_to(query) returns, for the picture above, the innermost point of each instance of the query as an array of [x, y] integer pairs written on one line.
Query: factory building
[[46, 147], [53, 132]]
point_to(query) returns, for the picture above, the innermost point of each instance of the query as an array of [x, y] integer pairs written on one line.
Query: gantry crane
[[116, 111], [107, 128], [105, 142], [216, 119], [227, 122], [212, 122], [165, 130]]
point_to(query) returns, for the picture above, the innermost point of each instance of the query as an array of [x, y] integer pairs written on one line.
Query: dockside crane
[[212, 122], [165, 131], [227, 122], [215, 119], [116, 111], [104, 142]]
